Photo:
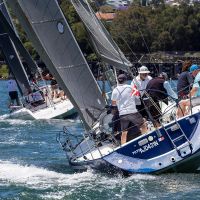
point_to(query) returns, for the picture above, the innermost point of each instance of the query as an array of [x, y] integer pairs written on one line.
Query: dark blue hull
[[188, 165], [174, 148]]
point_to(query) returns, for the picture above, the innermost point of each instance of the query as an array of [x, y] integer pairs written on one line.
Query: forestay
[[102, 41], [52, 37]]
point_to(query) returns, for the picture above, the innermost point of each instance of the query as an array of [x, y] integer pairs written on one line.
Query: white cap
[[143, 70]]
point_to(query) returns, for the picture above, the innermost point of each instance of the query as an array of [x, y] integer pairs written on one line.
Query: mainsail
[[8, 42], [12, 59], [7, 26], [52, 37], [102, 41], [3, 9]]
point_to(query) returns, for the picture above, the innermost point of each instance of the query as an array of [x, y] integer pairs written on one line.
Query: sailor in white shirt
[[124, 100], [12, 90], [140, 83]]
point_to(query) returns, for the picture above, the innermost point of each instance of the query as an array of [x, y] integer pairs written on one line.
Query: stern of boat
[[173, 147]]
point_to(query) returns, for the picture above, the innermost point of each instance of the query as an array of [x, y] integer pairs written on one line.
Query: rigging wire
[[113, 44], [143, 38], [132, 72]]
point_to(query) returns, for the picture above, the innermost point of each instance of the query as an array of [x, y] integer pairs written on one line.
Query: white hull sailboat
[[61, 110], [48, 107]]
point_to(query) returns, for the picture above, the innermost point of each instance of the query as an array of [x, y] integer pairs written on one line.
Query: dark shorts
[[13, 95], [131, 120], [116, 123]]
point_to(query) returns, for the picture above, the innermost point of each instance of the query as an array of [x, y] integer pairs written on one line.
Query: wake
[[35, 177]]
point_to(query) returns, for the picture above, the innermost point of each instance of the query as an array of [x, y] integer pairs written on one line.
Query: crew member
[[12, 90], [158, 89], [184, 105], [140, 83], [185, 80], [124, 100], [54, 87]]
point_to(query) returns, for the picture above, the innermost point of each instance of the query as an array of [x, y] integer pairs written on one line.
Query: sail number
[[146, 147]]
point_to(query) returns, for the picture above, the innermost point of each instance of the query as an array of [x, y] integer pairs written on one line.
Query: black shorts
[[13, 95], [131, 120]]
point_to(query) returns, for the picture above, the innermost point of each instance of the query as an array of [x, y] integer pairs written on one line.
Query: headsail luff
[[52, 37], [102, 41], [7, 26]]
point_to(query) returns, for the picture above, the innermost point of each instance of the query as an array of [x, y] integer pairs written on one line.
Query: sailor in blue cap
[[194, 93]]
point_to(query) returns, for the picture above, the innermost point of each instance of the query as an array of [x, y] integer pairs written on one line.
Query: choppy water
[[32, 166]]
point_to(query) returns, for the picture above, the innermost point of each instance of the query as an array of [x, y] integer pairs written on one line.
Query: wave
[[56, 185], [55, 122], [4, 119], [5, 116], [36, 177]]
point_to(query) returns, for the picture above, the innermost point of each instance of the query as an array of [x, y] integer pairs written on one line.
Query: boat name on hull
[[145, 148]]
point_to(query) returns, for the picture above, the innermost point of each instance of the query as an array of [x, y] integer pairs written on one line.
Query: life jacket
[[156, 89]]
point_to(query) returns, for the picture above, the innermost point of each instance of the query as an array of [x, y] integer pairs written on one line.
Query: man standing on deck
[[140, 83], [124, 100], [12, 90], [158, 89]]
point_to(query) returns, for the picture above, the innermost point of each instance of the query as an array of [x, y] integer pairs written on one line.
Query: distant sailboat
[[173, 147], [11, 45], [51, 36]]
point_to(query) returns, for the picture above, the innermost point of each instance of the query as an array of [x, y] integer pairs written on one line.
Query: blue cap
[[194, 67]]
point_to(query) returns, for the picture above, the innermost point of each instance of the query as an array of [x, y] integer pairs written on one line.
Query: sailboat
[[47, 108], [174, 147]]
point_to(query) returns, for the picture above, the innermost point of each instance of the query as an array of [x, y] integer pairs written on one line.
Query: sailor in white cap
[[140, 82]]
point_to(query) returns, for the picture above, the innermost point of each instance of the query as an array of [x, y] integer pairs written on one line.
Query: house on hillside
[[105, 16], [116, 4]]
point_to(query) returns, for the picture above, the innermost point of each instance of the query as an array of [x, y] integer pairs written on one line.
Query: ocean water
[[33, 166]]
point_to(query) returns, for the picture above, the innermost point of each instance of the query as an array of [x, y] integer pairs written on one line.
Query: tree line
[[164, 28], [139, 29]]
